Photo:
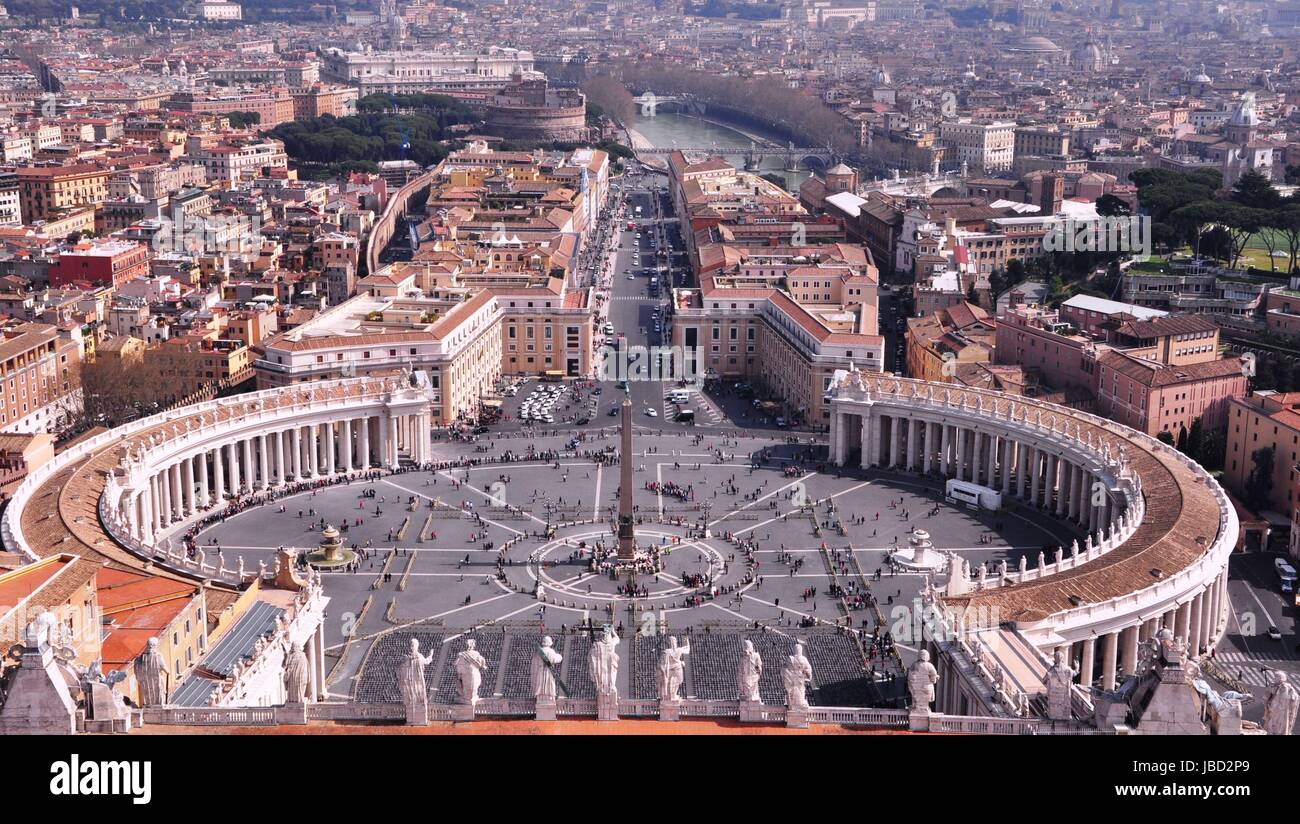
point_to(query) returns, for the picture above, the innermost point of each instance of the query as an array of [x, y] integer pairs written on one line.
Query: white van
[[680, 396]]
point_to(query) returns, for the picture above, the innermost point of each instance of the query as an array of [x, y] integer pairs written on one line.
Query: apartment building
[[100, 262], [735, 331], [937, 343], [274, 105], [387, 328], [1041, 141], [229, 163], [40, 378], [1156, 398], [1265, 419], [189, 363], [987, 147], [425, 71], [45, 191], [11, 208]]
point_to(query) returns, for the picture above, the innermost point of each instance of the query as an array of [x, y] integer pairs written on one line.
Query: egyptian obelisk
[[626, 538]]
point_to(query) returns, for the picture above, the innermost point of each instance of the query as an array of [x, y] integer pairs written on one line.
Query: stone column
[[147, 521], [234, 467], [295, 450], [1022, 470], [977, 455], [1129, 645], [165, 497], [895, 440], [133, 516], [313, 686], [1035, 474], [313, 452], [392, 442], [1086, 661], [1072, 508], [318, 638], [205, 498], [1182, 620], [264, 461], [1109, 644], [250, 473], [913, 438], [187, 484], [945, 450], [219, 474], [1211, 612], [364, 445], [1090, 490], [331, 446], [345, 442], [1008, 459], [425, 437]]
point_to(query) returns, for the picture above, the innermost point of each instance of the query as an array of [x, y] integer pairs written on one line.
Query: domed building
[[1034, 45], [1088, 58]]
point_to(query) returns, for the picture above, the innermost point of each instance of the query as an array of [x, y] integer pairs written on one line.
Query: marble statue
[[1280, 704], [410, 678], [37, 633], [796, 675], [470, 665], [542, 672], [921, 678], [672, 670], [602, 663], [1059, 680], [296, 674], [747, 674], [149, 668]]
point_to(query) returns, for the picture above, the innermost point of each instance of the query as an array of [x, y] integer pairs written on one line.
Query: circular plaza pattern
[[1104, 535]]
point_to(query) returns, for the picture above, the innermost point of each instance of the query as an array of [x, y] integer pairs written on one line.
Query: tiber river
[[665, 131]]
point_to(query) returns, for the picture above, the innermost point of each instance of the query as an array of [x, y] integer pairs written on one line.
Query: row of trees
[[1202, 444], [375, 134], [770, 104], [609, 97], [1185, 209]]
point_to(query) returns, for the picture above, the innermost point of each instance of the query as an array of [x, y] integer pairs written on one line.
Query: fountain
[[331, 554], [920, 554]]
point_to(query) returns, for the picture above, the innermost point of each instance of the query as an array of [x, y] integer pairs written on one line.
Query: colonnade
[[180, 488], [1033, 470], [1048, 475], [1199, 619]]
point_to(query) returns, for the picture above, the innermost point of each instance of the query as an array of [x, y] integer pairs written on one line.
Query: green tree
[[1195, 440], [1254, 191], [1214, 447], [1286, 222], [1260, 480], [1111, 206], [242, 120]]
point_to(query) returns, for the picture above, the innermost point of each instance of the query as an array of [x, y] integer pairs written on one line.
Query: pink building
[[1039, 339], [1153, 397]]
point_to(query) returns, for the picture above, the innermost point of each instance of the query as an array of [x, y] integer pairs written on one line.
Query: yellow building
[[44, 191]]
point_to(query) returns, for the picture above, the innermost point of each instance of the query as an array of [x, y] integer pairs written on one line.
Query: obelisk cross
[[626, 536]]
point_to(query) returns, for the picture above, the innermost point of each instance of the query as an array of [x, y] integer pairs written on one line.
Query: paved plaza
[[500, 550]]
